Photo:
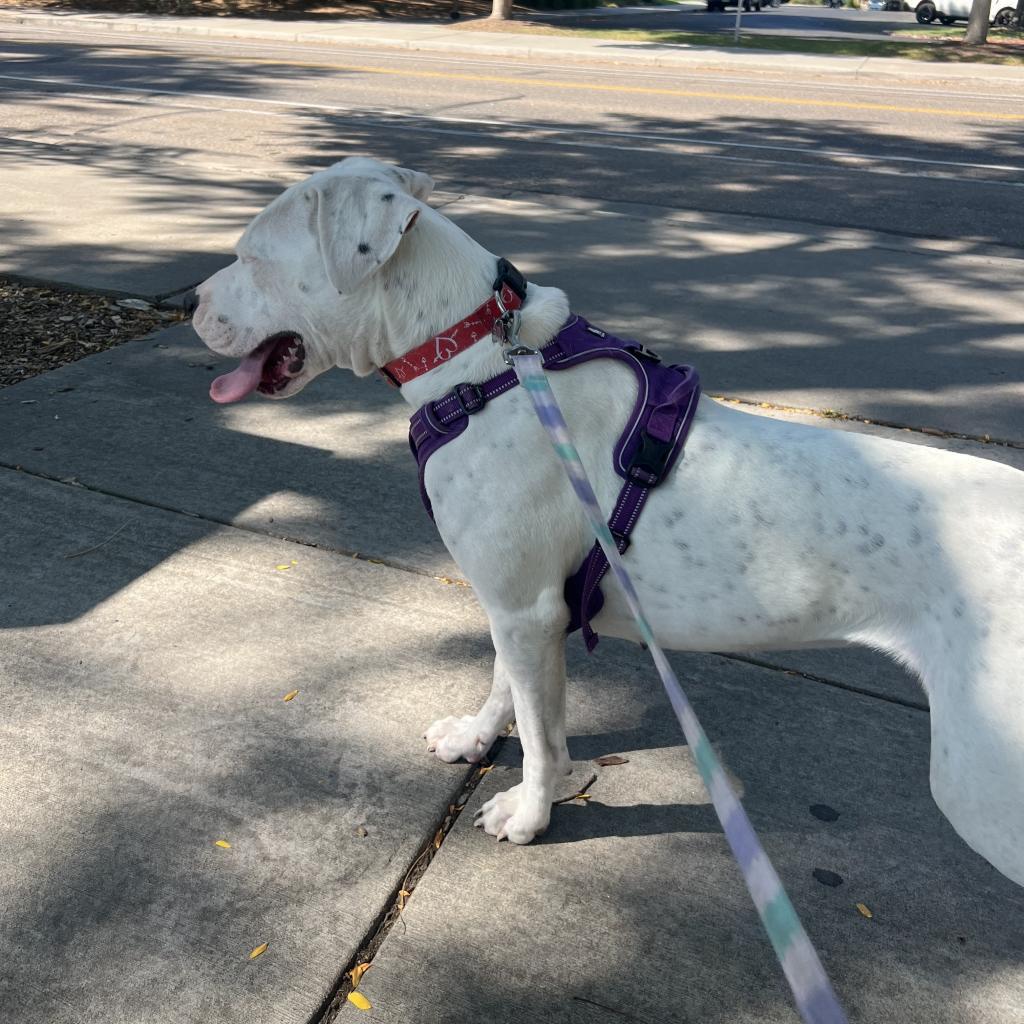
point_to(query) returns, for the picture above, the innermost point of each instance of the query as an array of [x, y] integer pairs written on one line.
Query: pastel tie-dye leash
[[812, 991]]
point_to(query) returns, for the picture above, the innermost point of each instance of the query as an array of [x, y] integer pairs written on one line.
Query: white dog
[[767, 534]]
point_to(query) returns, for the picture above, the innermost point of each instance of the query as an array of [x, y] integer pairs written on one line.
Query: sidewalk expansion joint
[[344, 552], [390, 916], [833, 414], [824, 680]]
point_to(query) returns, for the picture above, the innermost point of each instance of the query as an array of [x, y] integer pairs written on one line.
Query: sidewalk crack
[[400, 896], [287, 538], [835, 683], [834, 414]]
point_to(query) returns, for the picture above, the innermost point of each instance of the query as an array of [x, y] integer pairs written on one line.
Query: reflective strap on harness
[[812, 991], [662, 437]]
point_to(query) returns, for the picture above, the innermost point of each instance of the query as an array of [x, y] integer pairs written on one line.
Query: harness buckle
[[476, 400], [647, 466], [643, 352]]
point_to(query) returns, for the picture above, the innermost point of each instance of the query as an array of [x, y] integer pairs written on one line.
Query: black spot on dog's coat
[[364, 248]]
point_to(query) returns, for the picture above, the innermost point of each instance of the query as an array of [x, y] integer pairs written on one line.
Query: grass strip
[[1006, 48]]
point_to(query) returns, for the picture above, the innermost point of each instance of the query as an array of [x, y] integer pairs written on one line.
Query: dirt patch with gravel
[[45, 327], [397, 10]]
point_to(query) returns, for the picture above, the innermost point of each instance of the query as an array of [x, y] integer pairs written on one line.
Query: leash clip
[[506, 328], [519, 350]]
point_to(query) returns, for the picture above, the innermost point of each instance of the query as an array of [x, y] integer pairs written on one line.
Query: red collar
[[457, 338]]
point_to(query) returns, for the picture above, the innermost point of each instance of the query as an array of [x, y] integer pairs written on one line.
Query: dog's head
[[289, 306]]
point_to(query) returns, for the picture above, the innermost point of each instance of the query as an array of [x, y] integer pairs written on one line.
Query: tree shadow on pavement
[[790, 312]]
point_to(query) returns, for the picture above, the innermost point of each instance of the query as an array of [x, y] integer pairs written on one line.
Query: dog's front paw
[[452, 739], [507, 817]]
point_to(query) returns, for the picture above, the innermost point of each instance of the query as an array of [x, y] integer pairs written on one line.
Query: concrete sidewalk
[[443, 38], [174, 568], [145, 656]]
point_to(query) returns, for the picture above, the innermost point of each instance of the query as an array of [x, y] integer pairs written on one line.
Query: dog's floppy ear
[[418, 183], [359, 224]]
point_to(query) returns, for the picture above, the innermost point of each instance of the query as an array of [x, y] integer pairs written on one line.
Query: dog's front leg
[[469, 737], [533, 656]]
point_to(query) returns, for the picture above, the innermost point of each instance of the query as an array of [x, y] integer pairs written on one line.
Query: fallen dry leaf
[[291, 695], [259, 951], [486, 768], [282, 568], [450, 582], [582, 796], [361, 832], [357, 972], [864, 910], [360, 1001], [610, 759], [223, 844], [403, 895], [438, 838]]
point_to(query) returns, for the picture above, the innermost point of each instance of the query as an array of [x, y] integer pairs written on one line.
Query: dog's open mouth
[[269, 368]]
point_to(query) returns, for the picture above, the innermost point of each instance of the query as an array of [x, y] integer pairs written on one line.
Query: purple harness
[[646, 451]]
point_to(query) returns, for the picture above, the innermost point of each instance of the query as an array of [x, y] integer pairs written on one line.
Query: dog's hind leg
[[469, 737], [977, 758], [969, 654], [533, 655]]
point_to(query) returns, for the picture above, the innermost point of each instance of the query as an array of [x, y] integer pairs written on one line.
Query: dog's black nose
[[191, 303]]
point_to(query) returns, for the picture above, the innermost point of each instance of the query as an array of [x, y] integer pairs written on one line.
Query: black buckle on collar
[[648, 465], [508, 274], [476, 401]]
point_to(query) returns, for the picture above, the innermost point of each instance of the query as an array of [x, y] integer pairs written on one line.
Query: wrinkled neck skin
[[438, 276]]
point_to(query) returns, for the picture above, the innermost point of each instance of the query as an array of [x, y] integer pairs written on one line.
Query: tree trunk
[[977, 24], [1020, 15], [501, 10]]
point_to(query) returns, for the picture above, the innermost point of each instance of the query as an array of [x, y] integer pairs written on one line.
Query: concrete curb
[[437, 39]]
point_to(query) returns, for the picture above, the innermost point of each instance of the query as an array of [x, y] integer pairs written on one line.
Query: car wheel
[[925, 13], [946, 19], [774, 3], [1005, 18]]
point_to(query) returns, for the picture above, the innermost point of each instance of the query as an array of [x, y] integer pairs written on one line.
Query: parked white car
[[1004, 12]]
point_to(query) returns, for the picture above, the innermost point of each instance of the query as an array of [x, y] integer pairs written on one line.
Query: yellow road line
[[641, 90], [646, 90]]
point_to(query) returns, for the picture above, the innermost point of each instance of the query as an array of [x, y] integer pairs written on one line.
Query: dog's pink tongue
[[241, 381]]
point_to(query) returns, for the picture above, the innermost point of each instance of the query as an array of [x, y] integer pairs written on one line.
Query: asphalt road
[[942, 161]]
